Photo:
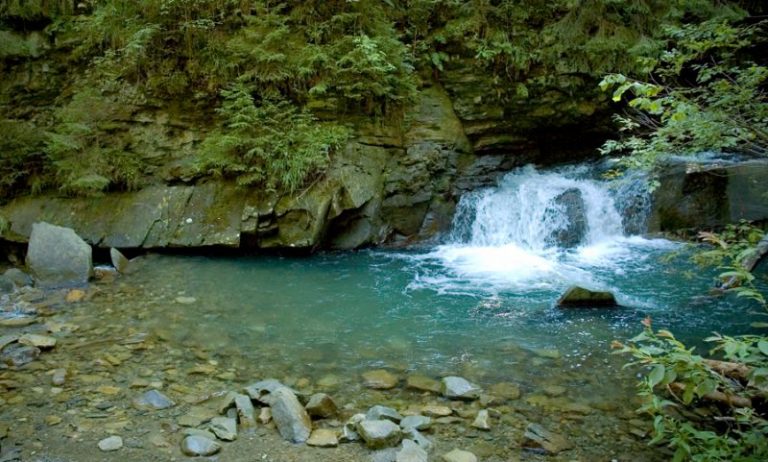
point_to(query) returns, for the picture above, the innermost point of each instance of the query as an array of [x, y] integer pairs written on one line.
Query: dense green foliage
[[679, 383], [705, 91], [333, 59]]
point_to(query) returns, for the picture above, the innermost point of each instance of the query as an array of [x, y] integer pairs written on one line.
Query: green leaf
[[656, 375]]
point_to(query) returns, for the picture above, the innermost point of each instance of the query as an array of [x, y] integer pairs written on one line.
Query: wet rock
[[40, 341], [6, 285], [379, 412], [199, 446], [570, 204], [7, 340], [481, 422], [119, 261], [505, 390], [380, 379], [153, 399], [184, 300], [104, 273], [59, 377], [195, 417], [379, 434], [56, 256], [321, 405], [16, 321], [411, 452], [18, 277], [224, 428], [323, 438], [245, 411], [422, 383], [17, 355], [419, 422], [349, 431], [113, 443], [457, 455], [576, 297], [223, 403], [459, 388], [537, 436], [291, 419]]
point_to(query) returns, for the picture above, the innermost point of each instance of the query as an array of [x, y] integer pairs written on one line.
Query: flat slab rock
[[459, 388]]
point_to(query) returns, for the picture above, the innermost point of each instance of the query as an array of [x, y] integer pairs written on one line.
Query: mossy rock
[[579, 297]]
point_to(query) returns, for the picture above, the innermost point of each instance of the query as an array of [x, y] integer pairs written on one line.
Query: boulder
[[291, 419], [581, 297], [570, 204], [58, 257], [459, 388], [379, 434]]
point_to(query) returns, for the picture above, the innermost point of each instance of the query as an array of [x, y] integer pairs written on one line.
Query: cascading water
[[544, 231]]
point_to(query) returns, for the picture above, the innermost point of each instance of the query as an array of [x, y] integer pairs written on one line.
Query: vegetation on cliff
[[315, 65]]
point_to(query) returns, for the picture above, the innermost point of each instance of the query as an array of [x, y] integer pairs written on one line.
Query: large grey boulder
[[58, 257], [289, 415], [571, 204]]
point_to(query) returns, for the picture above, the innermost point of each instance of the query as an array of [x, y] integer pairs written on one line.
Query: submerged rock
[[18, 277], [581, 297], [291, 419], [17, 355], [380, 379], [459, 388], [571, 204], [422, 383], [58, 257]]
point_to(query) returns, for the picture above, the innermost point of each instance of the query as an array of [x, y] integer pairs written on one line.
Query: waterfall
[[544, 230]]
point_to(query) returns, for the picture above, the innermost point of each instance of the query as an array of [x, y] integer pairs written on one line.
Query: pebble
[[185, 300], [75, 296], [436, 410], [481, 421], [113, 443], [265, 415], [59, 377], [52, 420]]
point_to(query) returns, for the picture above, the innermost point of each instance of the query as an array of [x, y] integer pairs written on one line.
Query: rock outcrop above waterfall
[[695, 195]]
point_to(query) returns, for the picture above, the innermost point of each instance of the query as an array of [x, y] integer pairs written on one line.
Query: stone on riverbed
[[321, 405], [323, 438], [380, 379], [481, 422], [379, 412], [196, 445], [113, 443], [153, 399], [422, 383], [457, 455], [411, 452], [459, 388], [56, 256], [18, 277], [260, 390], [245, 411], [291, 419], [17, 355], [505, 390], [419, 422], [379, 434], [537, 436], [224, 428], [40, 341], [576, 297], [119, 261]]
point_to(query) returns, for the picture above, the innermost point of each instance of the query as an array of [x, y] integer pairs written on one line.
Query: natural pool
[[481, 306]]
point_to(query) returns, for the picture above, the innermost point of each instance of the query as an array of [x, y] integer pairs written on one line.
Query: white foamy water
[[506, 238]]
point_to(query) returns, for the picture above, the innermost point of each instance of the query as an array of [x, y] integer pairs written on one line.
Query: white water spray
[[512, 237]]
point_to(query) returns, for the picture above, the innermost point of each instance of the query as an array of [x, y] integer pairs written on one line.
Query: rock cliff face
[[396, 181]]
